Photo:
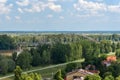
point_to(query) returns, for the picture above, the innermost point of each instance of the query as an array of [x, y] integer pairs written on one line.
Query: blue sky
[[59, 15]]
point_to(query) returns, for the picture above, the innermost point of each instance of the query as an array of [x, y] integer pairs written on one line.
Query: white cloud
[[23, 3], [49, 15], [17, 17], [95, 8], [5, 9], [41, 6], [52, 0], [36, 7], [61, 17], [54, 7], [20, 10], [114, 8], [8, 17], [3, 1], [90, 6]]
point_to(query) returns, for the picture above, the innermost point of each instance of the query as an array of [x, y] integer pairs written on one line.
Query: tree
[[31, 76], [92, 77], [60, 53], [35, 57], [18, 73], [76, 49], [118, 45], [11, 65], [6, 43], [118, 53], [117, 78], [27, 76], [24, 60], [14, 56], [58, 75], [4, 66], [114, 47], [72, 66], [109, 77], [115, 69], [105, 46], [45, 58]]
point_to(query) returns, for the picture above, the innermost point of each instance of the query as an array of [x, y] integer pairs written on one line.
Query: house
[[109, 60], [106, 63], [79, 74]]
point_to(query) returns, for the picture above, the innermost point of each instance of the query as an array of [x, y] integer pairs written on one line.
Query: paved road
[[43, 68]]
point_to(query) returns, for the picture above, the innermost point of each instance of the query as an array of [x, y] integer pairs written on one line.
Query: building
[[79, 74], [109, 60]]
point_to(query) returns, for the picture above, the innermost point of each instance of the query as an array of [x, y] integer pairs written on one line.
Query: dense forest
[[43, 50]]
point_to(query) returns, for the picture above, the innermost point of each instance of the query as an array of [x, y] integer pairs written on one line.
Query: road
[[52, 66], [90, 38]]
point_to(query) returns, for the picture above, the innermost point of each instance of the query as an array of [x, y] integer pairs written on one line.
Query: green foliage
[[118, 53], [60, 53], [118, 45], [31, 76], [24, 60], [72, 66], [105, 46], [14, 56], [76, 49], [17, 73], [92, 77], [45, 58], [109, 77], [107, 74], [58, 75], [6, 65], [11, 65], [35, 57], [115, 69], [114, 46], [117, 78], [6, 43]]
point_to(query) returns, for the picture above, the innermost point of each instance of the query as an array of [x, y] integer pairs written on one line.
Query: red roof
[[111, 58]]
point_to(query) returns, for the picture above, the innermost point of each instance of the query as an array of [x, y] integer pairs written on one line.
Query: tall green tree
[[76, 49], [18, 73], [117, 53], [58, 75], [60, 53], [117, 78], [109, 77], [6, 43], [92, 77], [4, 66], [24, 60], [35, 57]]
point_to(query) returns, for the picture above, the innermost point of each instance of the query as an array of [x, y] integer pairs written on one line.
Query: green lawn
[[11, 78], [108, 54]]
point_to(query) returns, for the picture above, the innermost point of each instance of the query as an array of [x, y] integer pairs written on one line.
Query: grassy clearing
[[107, 54], [8, 78], [111, 53]]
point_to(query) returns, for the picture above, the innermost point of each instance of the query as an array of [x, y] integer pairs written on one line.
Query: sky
[[59, 15]]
